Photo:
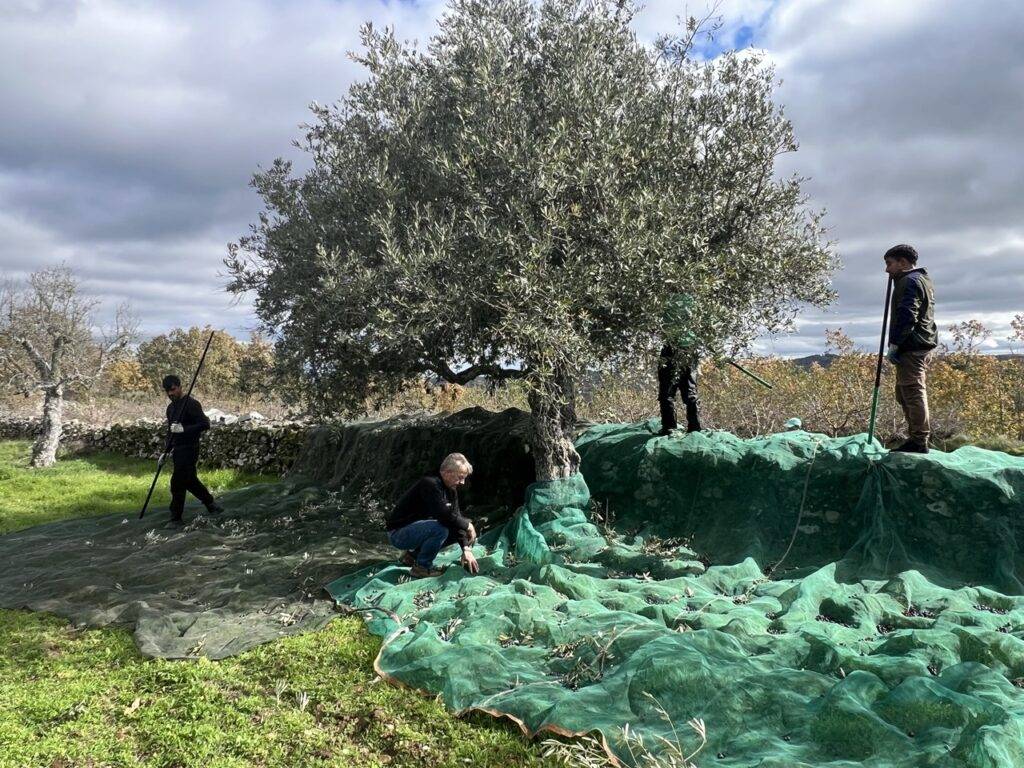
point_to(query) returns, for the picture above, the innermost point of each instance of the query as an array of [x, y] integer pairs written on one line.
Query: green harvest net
[[860, 608], [214, 589], [255, 573], [814, 601]]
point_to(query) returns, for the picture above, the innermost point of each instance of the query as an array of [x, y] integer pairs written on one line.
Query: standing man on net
[[678, 365], [912, 337], [427, 519], [186, 422]]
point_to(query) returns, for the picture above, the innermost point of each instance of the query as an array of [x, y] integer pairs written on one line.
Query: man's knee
[[438, 532], [910, 393]]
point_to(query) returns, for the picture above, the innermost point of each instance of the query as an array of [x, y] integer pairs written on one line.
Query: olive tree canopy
[[520, 200]]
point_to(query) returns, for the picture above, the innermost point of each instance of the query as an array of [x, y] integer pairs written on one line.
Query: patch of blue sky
[[735, 33], [726, 39]]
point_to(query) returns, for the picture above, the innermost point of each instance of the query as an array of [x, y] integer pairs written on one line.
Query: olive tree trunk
[[553, 407], [44, 451]]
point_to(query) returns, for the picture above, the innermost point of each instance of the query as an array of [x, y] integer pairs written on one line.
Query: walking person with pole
[[186, 421]]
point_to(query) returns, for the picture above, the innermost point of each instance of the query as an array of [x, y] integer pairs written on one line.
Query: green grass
[[71, 697], [97, 484]]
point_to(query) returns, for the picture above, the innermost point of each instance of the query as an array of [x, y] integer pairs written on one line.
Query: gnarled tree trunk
[[44, 452], [553, 406]]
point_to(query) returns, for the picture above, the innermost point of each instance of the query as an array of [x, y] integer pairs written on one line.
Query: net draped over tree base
[[890, 631]]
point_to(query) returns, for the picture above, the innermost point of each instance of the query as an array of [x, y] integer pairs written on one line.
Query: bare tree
[[49, 343]]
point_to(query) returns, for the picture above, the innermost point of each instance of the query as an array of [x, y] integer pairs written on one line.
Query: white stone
[[217, 416]]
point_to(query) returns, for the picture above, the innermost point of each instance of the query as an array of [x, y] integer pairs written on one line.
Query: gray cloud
[[131, 130], [910, 117]]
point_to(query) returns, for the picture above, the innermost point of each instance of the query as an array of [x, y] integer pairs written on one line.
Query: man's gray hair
[[456, 461]]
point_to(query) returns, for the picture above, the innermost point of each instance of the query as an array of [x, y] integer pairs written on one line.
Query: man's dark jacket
[[912, 312], [192, 419], [430, 499]]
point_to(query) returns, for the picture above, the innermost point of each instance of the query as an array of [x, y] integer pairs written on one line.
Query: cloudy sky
[[129, 131]]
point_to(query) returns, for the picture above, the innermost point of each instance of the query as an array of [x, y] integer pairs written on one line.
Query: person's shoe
[[407, 559], [911, 446], [214, 508], [175, 522], [693, 429], [665, 432], [419, 572]]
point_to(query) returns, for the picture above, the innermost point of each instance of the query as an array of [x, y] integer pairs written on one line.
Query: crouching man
[[427, 519]]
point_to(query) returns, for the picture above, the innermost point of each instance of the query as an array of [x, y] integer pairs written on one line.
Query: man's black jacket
[[192, 419], [912, 312], [430, 499]]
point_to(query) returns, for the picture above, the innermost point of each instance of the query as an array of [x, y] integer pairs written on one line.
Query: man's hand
[[893, 355], [472, 534], [176, 428], [469, 561]]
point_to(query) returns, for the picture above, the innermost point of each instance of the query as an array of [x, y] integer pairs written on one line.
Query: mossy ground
[[72, 697]]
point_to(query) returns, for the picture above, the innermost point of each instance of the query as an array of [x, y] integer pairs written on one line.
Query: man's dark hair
[[902, 251], [171, 381]]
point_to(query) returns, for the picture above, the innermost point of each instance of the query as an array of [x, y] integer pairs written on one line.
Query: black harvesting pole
[[177, 415], [878, 366]]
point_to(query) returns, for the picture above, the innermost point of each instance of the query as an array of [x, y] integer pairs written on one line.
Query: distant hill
[[825, 360]]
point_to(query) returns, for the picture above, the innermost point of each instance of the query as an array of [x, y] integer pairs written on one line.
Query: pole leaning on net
[[177, 415], [878, 365]]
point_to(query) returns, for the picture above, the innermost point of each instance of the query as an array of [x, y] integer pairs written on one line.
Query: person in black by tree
[[186, 422], [677, 372], [678, 366], [427, 519]]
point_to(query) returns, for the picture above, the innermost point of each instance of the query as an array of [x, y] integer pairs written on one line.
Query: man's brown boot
[[419, 572]]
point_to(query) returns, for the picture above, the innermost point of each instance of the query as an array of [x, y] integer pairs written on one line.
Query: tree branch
[[466, 375], [37, 359]]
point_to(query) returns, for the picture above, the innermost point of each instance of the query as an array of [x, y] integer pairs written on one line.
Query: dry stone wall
[[256, 447], [383, 457]]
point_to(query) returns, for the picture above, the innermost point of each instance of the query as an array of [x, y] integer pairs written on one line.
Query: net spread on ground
[[815, 601], [863, 647]]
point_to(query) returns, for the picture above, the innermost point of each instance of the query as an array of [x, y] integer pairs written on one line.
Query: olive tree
[[49, 344], [520, 200]]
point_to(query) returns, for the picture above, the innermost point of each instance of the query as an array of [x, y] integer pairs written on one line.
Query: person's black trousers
[[185, 480], [674, 377]]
